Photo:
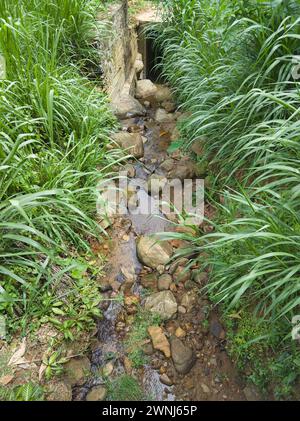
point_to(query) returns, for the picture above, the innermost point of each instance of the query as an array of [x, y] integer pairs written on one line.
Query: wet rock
[[59, 391], [152, 252], [126, 107], [77, 370], [145, 89], [162, 303], [217, 330], [161, 116], [188, 300], [159, 340], [164, 282], [165, 379], [98, 393], [183, 356], [163, 93], [156, 183], [132, 142], [149, 281]]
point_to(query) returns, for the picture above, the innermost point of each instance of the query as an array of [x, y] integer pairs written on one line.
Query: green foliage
[[54, 127], [124, 388], [138, 334], [232, 66], [26, 392]]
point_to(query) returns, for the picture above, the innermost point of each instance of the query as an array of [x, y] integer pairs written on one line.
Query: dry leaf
[[17, 357], [42, 371], [6, 379]]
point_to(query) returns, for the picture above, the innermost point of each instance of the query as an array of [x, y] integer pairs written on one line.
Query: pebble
[[181, 309], [205, 388], [165, 379]]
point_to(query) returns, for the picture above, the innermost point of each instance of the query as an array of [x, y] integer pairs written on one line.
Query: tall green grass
[[231, 64], [54, 127]]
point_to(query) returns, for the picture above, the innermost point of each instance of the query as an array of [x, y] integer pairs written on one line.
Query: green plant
[[124, 388], [138, 334]]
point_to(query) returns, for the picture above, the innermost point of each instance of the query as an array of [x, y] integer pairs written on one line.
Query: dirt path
[[190, 361]]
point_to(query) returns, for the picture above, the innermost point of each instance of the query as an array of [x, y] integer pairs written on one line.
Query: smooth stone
[[98, 393], [183, 356], [132, 142], [126, 106], [77, 370], [145, 89], [164, 282], [152, 252]]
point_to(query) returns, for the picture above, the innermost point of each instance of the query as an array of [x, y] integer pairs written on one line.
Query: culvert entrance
[[151, 53]]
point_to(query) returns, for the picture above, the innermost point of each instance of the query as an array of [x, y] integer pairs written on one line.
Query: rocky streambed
[[179, 353]]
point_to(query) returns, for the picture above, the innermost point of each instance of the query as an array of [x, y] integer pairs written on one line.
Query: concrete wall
[[120, 49]]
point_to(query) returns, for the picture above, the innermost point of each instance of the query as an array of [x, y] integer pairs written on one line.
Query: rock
[[200, 278], [165, 379], [161, 116], [188, 300], [162, 303], [217, 330], [77, 370], [205, 388], [132, 142], [159, 340], [108, 369], [183, 356], [128, 365], [167, 165], [126, 106], [160, 269], [98, 393], [148, 349], [59, 391], [184, 169], [163, 93], [149, 281], [198, 146], [180, 333], [139, 66], [169, 106], [181, 274], [145, 89], [179, 262], [130, 170], [155, 184], [147, 104], [251, 394], [164, 282], [181, 309], [184, 229], [152, 252]]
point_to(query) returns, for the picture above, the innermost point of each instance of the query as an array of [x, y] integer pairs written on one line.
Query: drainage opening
[[151, 54]]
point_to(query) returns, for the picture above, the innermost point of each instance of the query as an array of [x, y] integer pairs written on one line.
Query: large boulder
[[183, 356], [162, 303], [132, 142], [145, 89], [126, 106], [153, 253]]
